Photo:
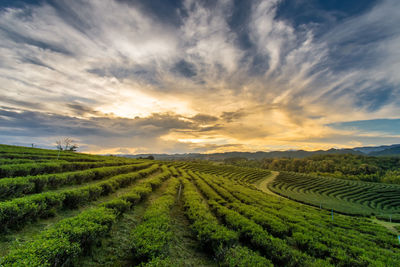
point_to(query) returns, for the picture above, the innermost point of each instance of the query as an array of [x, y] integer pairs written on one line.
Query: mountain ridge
[[386, 150]]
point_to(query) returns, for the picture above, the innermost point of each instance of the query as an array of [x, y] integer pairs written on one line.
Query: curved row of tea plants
[[275, 249], [243, 174], [346, 196]]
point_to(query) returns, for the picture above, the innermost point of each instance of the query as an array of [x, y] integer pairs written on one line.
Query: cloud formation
[[197, 76]]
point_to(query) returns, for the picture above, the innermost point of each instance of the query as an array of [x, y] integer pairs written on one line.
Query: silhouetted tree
[[66, 144]]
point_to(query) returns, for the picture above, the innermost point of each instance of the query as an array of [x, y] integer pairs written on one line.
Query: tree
[[66, 144], [73, 148], [59, 145]]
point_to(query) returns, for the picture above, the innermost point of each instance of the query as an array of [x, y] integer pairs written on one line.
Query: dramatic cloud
[[182, 76]]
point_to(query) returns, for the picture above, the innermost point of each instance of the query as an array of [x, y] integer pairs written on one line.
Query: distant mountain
[[376, 150], [248, 155], [392, 151]]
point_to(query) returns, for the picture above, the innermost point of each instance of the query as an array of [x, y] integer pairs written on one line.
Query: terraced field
[[108, 211], [240, 174], [346, 196]]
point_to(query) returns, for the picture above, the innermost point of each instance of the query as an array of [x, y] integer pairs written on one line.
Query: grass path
[[185, 247], [115, 249], [389, 225], [263, 183]]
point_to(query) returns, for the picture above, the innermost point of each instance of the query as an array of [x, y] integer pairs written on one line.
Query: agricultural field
[[345, 196], [83, 210]]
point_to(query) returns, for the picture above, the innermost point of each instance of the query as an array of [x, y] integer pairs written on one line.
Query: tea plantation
[[77, 209], [345, 196]]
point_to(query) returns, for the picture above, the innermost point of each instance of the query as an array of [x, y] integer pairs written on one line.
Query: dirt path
[[116, 247], [390, 226], [263, 184], [185, 247]]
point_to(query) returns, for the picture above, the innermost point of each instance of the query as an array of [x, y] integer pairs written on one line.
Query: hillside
[[350, 197], [77, 209], [393, 151]]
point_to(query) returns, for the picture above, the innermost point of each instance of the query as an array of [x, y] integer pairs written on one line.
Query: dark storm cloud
[[79, 109], [20, 103], [232, 116], [31, 123], [204, 119]]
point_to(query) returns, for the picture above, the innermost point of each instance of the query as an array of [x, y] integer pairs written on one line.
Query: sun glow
[[134, 103]]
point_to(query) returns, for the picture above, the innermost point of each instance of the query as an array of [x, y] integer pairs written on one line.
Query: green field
[[345, 196], [85, 210]]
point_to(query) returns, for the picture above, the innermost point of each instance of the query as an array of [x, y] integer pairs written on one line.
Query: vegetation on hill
[[350, 197], [345, 166]]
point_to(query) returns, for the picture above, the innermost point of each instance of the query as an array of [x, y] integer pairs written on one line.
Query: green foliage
[[344, 166], [150, 239], [243, 174], [17, 212], [350, 197], [308, 236], [242, 257], [63, 242], [209, 232], [13, 170], [222, 241], [19, 186], [119, 205]]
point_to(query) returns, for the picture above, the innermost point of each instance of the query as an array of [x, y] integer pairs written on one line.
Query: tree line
[[347, 166]]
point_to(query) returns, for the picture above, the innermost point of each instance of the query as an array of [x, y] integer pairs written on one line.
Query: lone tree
[[66, 144]]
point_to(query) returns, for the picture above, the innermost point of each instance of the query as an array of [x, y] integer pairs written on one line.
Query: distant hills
[[389, 150]]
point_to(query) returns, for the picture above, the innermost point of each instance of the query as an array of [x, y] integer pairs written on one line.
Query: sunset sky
[[165, 76]]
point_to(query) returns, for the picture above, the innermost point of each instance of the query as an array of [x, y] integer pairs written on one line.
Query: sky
[[169, 76]]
